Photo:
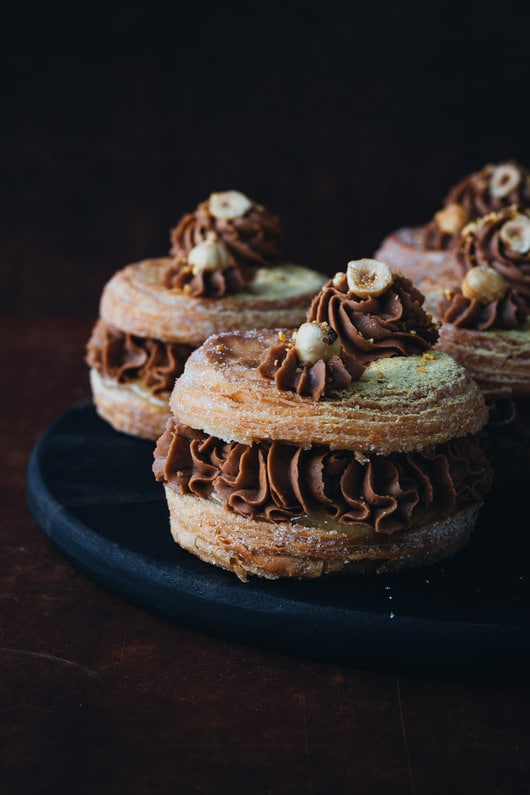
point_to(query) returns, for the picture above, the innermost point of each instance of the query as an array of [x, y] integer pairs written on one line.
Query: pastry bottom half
[[310, 547], [130, 407]]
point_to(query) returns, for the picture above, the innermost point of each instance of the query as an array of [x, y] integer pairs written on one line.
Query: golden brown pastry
[[226, 270], [485, 327], [349, 444], [426, 253]]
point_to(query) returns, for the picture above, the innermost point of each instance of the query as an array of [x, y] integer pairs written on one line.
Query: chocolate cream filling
[[392, 324], [127, 358], [276, 481]]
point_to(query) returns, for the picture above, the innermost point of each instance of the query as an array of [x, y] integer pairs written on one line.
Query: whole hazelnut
[[483, 284]]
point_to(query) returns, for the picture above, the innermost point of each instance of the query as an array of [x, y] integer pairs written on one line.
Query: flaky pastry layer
[[135, 300], [308, 550], [499, 360], [129, 408], [399, 404]]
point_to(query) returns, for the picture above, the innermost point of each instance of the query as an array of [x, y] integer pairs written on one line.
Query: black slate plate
[[93, 494]]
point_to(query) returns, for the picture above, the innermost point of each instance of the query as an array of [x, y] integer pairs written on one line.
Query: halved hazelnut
[[229, 204], [315, 341], [368, 277], [516, 234], [503, 180], [483, 284], [209, 255], [451, 219]]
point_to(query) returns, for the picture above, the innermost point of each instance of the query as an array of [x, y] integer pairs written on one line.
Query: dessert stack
[[347, 444], [226, 269]]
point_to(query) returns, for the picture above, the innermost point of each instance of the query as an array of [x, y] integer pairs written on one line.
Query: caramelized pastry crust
[[311, 549], [498, 360], [398, 404], [136, 301]]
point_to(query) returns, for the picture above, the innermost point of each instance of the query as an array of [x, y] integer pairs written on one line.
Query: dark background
[[348, 120]]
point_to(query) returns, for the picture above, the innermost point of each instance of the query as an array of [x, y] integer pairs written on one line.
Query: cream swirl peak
[[490, 189], [366, 313], [484, 301], [311, 363], [209, 271], [218, 247], [376, 312], [499, 240]]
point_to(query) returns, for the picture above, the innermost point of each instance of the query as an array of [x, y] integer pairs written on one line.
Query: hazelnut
[[483, 284], [368, 277], [209, 255], [503, 180], [516, 234], [314, 341], [451, 219], [228, 205]]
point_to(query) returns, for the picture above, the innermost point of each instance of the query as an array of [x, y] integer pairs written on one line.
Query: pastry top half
[[398, 404], [380, 388], [136, 300]]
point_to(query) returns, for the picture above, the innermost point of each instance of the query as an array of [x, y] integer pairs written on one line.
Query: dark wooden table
[[99, 695]]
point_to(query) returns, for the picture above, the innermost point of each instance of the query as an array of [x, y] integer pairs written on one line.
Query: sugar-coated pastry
[[225, 270], [426, 253], [486, 328], [348, 444]]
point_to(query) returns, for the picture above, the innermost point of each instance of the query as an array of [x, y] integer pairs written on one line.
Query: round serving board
[[93, 493]]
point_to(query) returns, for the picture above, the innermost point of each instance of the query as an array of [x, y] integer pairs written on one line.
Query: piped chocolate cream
[[128, 358], [276, 481], [499, 240], [375, 319], [311, 362], [491, 189], [218, 247], [484, 301]]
